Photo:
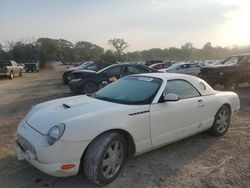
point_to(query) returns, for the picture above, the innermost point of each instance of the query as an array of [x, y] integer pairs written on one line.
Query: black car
[[91, 66], [231, 72], [89, 82], [31, 67]]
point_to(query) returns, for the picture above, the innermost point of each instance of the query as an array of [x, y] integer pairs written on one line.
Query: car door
[[182, 69], [193, 70], [244, 68], [170, 121]]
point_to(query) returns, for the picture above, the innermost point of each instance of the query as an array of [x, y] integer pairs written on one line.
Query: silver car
[[183, 68]]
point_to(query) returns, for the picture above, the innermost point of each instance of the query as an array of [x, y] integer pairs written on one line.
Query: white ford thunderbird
[[133, 115]]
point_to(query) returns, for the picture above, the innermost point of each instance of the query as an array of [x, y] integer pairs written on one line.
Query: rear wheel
[[89, 87], [104, 158], [221, 121], [231, 84], [11, 76]]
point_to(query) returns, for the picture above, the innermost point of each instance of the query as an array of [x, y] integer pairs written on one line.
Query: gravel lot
[[199, 161]]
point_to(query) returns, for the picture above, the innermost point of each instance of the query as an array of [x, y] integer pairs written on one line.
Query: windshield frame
[[147, 101]]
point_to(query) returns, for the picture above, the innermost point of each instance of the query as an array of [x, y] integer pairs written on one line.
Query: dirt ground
[[199, 161]]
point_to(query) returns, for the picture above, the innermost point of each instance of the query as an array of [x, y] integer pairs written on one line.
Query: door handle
[[201, 104]]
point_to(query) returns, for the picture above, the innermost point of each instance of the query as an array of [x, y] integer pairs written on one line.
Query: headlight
[[55, 133], [221, 73]]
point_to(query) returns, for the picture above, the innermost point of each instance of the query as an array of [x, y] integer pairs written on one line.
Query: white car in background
[[131, 116], [183, 68]]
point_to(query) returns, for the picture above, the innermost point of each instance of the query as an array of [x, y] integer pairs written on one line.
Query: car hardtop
[[203, 87]]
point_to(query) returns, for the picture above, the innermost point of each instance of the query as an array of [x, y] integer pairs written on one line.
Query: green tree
[[48, 50], [3, 54], [66, 50], [85, 51], [119, 45], [109, 56]]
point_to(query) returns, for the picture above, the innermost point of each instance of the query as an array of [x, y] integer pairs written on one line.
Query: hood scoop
[[66, 106]]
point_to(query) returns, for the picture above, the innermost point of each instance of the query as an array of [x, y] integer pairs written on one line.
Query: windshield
[[83, 65], [130, 90], [231, 61]]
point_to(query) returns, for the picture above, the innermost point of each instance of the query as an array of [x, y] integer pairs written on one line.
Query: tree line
[[47, 49]]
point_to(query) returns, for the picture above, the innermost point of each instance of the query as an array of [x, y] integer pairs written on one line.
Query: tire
[[231, 84], [89, 87], [11, 76], [98, 151], [65, 81], [27, 70], [221, 126], [21, 73]]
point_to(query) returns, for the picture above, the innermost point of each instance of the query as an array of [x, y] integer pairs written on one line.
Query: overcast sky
[[143, 24]]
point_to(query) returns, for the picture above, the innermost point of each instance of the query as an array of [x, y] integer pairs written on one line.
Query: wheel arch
[[131, 148], [227, 105]]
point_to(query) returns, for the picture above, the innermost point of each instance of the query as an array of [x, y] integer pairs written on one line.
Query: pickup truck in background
[[31, 67], [10, 68], [231, 72]]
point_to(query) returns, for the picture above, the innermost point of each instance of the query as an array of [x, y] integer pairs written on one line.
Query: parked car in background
[[183, 68], [230, 73], [84, 81], [158, 66], [33, 67], [96, 134], [151, 62], [90, 66], [10, 68]]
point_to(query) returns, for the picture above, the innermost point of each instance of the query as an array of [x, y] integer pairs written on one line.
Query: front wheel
[[104, 158], [11, 76], [221, 121], [89, 87]]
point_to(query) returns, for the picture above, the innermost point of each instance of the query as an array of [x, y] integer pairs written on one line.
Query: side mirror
[[171, 97]]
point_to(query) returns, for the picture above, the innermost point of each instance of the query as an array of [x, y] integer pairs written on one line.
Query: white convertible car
[[97, 133]]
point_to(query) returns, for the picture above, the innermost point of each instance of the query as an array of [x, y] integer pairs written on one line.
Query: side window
[[182, 88], [193, 66], [115, 70], [185, 66], [244, 60], [136, 70], [160, 66], [91, 67]]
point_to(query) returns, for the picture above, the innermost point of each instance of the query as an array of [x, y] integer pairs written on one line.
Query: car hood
[[48, 114]]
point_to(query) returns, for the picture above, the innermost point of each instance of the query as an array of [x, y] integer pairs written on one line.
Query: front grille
[[25, 144]]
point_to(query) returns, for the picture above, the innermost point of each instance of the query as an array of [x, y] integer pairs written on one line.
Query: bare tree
[[120, 45]]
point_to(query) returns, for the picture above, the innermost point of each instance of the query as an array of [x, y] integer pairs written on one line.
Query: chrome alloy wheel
[[113, 159], [222, 121]]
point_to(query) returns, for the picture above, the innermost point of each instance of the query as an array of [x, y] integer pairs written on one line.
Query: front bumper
[[53, 169], [45, 157]]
